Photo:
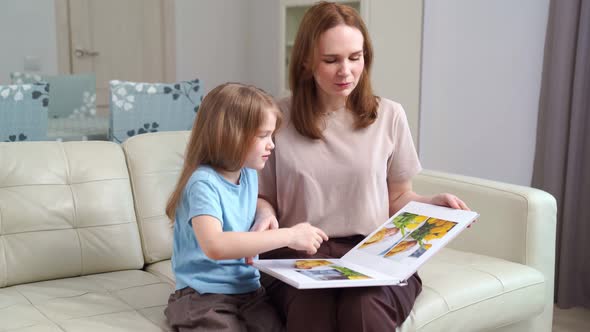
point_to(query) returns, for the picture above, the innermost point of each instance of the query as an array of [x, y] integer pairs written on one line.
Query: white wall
[[263, 60], [481, 67], [211, 41], [396, 32], [27, 28], [481, 75]]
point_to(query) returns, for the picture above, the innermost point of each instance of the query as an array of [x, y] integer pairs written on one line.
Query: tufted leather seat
[[85, 244]]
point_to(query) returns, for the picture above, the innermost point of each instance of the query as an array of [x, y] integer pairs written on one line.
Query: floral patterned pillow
[[23, 112], [138, 108], [72, 96]]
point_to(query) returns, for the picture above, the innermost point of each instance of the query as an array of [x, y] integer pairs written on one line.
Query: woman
[[343, 162]]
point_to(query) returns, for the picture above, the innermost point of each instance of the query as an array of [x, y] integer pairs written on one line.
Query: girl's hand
[[263, 223], [306, 237]]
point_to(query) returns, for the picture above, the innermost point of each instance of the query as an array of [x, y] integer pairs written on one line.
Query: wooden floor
[[571, 320]]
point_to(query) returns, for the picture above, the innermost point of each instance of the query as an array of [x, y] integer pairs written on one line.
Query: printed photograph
[[325, 270], [307, 264], [420, 240], [391, 233]]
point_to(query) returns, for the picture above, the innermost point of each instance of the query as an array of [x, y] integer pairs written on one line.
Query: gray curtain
[[562, 159]]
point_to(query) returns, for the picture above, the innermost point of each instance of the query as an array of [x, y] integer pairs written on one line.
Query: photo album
[[388, 256]]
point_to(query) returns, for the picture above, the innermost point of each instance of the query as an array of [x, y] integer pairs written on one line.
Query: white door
[[117, 39]]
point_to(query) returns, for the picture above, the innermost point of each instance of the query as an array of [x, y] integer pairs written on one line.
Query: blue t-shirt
[[234, 205]]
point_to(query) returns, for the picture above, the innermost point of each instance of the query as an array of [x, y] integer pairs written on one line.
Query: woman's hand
[[449, 200], [306, 237], [263, 222]]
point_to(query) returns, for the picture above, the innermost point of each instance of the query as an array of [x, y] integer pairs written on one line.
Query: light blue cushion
[[23, 112], [137, 108], [72, 96]]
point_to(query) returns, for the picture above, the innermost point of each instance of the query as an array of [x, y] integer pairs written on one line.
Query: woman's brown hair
[[223, 132], [305, 103]]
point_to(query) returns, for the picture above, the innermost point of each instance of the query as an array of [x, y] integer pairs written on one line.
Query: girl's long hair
[[223, 132], [305, 105]]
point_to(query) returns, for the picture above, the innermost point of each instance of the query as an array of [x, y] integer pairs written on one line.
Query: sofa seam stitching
[[73, 228], [112, 293], [39, 310], [96, 315], [110, 313], [439, 294], [478, 185], [161, 172], [63, 184], [74, 205], [5, 261], [131, 287], [482, 271], [486, 186], [482, 300], [138, 218]]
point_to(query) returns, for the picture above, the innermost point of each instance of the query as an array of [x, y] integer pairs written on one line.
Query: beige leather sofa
[[85, 245]]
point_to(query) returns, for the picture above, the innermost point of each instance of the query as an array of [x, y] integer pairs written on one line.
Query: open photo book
[[388, 256]]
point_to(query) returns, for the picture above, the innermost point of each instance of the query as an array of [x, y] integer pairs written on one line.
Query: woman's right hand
[[306, 237]]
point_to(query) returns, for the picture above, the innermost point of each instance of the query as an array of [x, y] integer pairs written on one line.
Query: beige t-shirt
[[339, 183]]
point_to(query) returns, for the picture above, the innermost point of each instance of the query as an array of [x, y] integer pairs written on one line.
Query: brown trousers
[[190, 311], [346, 309]]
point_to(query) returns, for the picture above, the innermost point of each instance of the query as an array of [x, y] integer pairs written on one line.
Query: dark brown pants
[[346, 309], [190, 311]]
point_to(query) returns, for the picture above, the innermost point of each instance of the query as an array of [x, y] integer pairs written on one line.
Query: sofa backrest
[[155, 161], [66, 209]]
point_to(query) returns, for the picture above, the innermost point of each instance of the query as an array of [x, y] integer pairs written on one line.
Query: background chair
[[138, 108], [23, 112], [72, 112]]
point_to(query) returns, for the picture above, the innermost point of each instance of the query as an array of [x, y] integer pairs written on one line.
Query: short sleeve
[[203, 199], [403, 162]]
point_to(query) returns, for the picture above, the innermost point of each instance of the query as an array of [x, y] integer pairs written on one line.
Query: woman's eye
[[329, 60], [355, 58]]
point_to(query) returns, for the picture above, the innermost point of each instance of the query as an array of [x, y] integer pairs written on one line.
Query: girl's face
[[339, 63], [263, 144]]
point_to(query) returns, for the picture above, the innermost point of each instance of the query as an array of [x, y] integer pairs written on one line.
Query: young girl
[[214, 206]]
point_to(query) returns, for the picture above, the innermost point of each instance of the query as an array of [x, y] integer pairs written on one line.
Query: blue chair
[[138, 108], [23, 112]]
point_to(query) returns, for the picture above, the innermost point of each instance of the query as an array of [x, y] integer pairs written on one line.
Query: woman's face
[[339, 63]]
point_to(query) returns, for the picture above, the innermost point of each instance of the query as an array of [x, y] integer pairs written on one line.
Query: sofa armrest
[[516, 223]]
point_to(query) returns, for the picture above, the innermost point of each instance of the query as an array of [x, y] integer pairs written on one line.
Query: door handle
[[82, 53]]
